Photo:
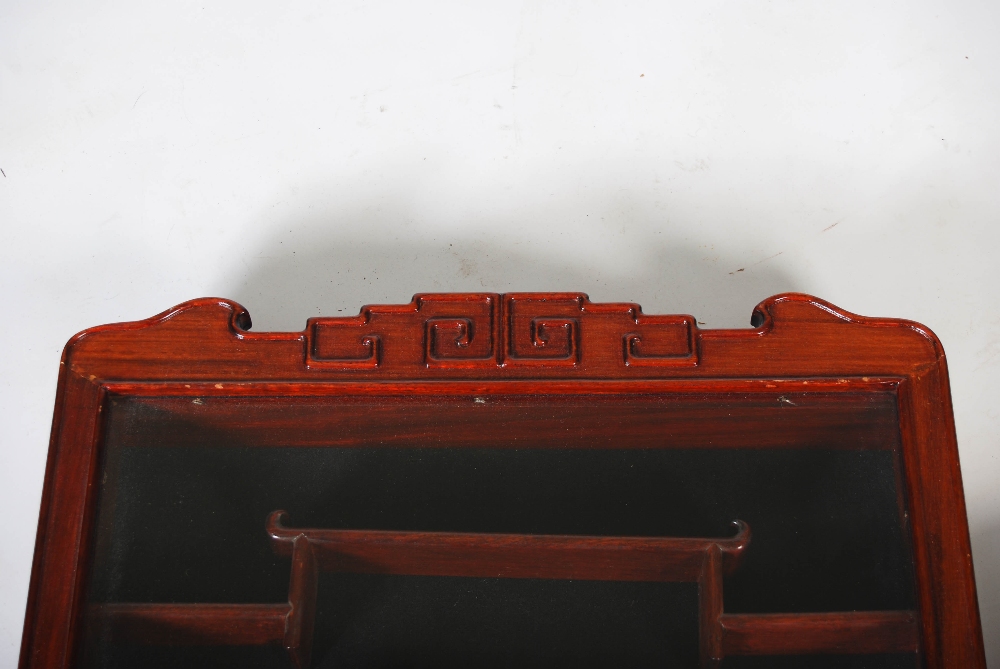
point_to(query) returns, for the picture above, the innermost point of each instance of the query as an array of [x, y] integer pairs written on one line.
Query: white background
[[305, 158]]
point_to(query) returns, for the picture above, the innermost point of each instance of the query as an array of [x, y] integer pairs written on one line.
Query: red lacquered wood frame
[[557, 343]]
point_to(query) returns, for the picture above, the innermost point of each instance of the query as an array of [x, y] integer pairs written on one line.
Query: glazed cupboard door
[[505, 481]]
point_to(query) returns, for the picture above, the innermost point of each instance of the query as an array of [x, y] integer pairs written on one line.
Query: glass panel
[[188, 485]]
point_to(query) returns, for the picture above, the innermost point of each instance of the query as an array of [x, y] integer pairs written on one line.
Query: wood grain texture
[[192, 624], [798, 336], [480, 555], [854, 632], [301, 618], [663, 414], [556, 343], [710, 605]]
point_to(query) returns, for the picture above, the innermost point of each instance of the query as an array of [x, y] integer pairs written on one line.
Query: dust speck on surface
[[466, 267]]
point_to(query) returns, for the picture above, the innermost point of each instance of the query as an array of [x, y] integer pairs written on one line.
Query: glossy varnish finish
[[649, 559], [553, 344]]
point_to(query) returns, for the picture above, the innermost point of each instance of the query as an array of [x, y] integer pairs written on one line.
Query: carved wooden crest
[[507, 331]]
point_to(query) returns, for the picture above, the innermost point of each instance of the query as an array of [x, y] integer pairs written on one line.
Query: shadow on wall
[[331, 266], [986, 555]]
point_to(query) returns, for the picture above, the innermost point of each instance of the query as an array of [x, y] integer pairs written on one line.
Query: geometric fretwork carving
[[530, 332], [545, 329]]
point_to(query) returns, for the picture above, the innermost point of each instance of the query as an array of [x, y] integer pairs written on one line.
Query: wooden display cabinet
[[504, 480]]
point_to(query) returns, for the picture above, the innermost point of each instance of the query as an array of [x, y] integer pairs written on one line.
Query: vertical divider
[[710, 608], [301, 618]]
